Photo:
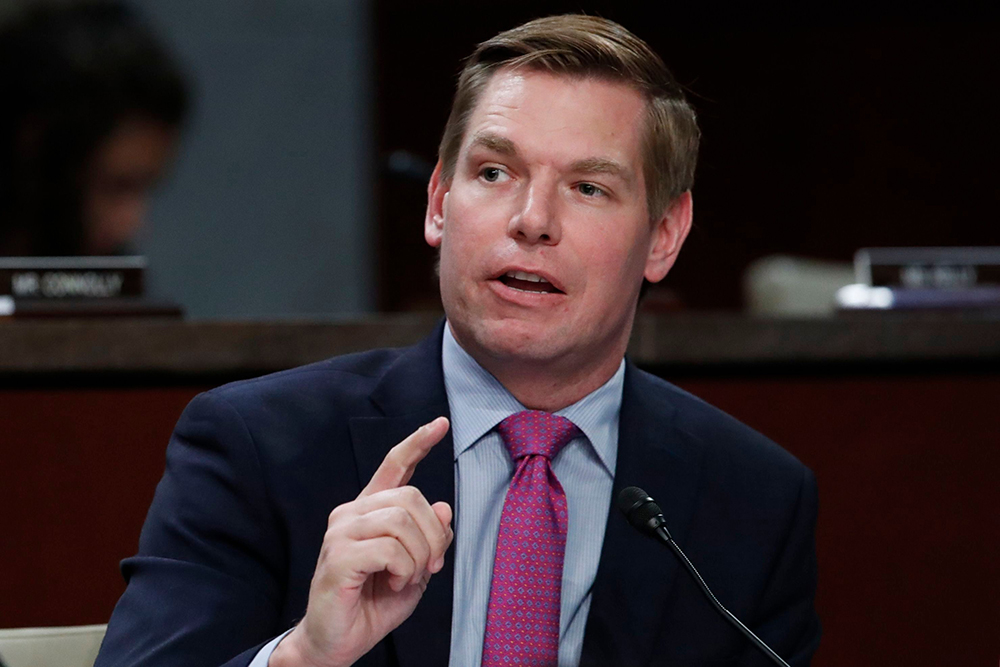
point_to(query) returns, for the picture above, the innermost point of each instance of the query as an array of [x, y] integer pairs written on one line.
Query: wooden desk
[[896, 415]]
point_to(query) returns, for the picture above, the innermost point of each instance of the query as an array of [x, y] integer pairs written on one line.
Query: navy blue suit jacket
[[254, 468]]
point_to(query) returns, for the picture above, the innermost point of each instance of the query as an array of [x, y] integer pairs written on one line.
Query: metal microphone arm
[[645, 515], [664, 536]]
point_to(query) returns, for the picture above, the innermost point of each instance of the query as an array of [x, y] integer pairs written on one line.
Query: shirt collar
[[478, 402]]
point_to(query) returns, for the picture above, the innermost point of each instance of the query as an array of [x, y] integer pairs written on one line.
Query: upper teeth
[[521, 275]]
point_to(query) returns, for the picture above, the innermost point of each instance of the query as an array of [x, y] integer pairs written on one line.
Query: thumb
[[443, 512]]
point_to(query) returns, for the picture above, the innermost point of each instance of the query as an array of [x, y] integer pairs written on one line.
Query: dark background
[[825, 128]]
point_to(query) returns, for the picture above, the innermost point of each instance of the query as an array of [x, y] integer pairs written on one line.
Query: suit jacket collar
[[410, 394], [636, 573]]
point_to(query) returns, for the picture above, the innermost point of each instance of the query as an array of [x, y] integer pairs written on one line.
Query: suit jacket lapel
[[636, 573], [409, 395]]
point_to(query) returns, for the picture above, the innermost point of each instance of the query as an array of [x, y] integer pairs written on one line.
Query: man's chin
[[518, 341]]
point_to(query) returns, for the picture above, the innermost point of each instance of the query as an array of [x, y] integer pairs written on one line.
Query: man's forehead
[[523, 86], [597, 122]]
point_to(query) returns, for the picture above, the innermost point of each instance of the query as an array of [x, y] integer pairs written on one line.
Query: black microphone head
[[630, 498], [640, 510]]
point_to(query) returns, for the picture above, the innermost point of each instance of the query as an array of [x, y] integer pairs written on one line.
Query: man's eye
[[491, 174], [589, 190]]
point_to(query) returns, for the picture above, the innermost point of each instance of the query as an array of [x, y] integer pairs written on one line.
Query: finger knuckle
[[397, 455], [398, 517], [332, 536], [411, 494], [338, 513]]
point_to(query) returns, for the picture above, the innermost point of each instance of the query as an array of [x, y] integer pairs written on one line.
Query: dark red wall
[[78, 471]]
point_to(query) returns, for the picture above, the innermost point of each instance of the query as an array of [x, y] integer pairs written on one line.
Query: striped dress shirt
[[483, 470]]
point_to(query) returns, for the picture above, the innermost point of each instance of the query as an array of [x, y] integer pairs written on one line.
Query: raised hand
[[378, 554]]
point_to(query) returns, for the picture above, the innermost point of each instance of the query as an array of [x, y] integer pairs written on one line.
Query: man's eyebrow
[[494, 143], [599, 165]]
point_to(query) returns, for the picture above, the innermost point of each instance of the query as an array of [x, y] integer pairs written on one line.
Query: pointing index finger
[[398, 465]]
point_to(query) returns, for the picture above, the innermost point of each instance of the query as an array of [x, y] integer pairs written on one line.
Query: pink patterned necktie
[[522, 620]]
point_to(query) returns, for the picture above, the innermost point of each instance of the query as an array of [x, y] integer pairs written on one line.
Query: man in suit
[[305, 518]]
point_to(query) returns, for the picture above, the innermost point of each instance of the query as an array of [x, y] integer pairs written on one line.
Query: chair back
[[51, 647]]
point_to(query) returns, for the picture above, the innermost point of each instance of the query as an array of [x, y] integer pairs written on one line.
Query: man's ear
[[668, 237], [437, 192]]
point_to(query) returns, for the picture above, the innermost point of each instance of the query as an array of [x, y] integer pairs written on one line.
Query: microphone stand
[[665, 537], [645, 515]]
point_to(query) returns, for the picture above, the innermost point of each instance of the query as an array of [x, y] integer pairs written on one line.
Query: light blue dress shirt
[[483, 469]]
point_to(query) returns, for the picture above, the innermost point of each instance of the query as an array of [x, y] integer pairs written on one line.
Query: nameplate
[[928, 268], [72, 277]]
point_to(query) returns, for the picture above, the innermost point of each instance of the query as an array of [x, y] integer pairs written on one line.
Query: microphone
[[645, 515]]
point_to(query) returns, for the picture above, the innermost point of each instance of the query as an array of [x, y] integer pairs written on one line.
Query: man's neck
[[549, 392], [547, 385]]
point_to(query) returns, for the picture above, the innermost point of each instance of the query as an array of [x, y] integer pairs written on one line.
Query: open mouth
[[528, 282]]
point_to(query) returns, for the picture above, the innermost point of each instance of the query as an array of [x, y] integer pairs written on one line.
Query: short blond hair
[[580, 45]]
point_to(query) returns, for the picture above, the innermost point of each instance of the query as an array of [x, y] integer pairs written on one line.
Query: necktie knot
[[536, 432]]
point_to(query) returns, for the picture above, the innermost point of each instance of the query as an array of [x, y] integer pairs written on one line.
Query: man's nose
[[536, 220]]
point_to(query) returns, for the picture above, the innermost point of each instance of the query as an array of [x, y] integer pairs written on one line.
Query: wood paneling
[[78, 468]]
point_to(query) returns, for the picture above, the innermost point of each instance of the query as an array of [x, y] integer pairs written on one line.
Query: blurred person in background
[[93, 106]]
